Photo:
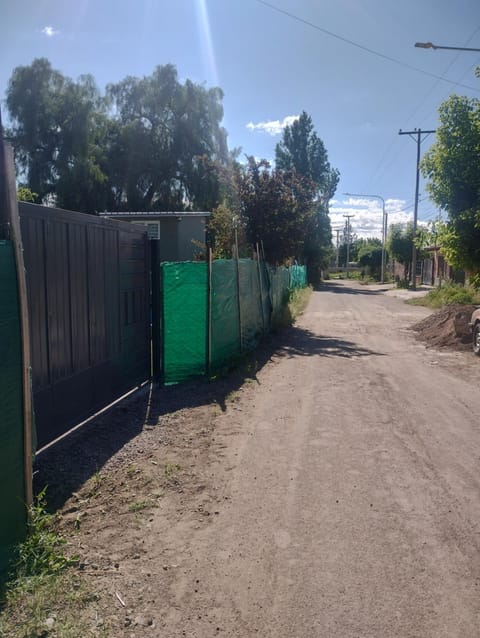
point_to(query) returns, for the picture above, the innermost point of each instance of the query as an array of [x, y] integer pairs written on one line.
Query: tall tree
[[277, 208], [54, 134], [303, 152], [452, 165], [169, 136], [400, 245], [369, 255], [150, 143]]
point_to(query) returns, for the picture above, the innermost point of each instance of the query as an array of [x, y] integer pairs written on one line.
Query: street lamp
[[384, 228], [429, 45]]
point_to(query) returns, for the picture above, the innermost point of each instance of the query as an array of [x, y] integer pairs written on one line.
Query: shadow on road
[[350, 288], [305, 343], [67, 465]]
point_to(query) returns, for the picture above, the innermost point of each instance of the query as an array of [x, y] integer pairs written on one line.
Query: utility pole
[[416, 133], [337, 230], [348, 240]]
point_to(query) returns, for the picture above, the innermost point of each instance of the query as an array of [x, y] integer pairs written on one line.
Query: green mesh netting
[[225, 329], [279, 289], [184, 289], [298, 276], [250, 306], [12, 486], [242, 309]]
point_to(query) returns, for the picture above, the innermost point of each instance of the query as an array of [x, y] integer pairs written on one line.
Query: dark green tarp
[[243, 308], [279, 290], [12, 485], [250, 306], [184, 288], [225, 330]]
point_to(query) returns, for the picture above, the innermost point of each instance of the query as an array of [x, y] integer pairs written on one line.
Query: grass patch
[[446, 295], [44, 595], [138, 506], [296, 304], [172, 468]]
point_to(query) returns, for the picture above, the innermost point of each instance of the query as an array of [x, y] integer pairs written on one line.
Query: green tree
[[54, 134], [400, 245], [149, 143], [369, 256], [303, 152], [277, 208], [452, 165], [168, 140]]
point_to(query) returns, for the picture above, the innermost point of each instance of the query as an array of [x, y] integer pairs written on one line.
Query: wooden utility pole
[[348, 240], [416, 133], [337, 230], [10, 229]]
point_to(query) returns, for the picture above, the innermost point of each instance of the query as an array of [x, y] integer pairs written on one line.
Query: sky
[[350, 64]]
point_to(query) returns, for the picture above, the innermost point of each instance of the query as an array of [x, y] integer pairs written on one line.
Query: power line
[[361, 46], [421, 103]]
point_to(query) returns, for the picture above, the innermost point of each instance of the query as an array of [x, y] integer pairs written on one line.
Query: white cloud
[[49, 31], [368, 215], [273, 127]]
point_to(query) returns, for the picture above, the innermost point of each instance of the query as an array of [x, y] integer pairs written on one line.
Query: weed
[[298, 301], [44, 595], [172, 468], [40, 553], [131, 471], [138, 506], [95, 484], [448, 294]]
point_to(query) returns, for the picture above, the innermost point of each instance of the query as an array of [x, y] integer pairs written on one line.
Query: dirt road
[[338, 495]]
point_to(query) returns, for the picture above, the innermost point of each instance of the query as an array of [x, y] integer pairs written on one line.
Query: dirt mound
[[447, 328]]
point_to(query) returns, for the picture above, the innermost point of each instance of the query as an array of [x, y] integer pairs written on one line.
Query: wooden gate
[[88, 283]]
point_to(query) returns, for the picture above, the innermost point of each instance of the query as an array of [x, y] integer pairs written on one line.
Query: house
[[180, 234]]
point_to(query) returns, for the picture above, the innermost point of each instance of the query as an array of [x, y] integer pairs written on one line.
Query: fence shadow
[[67, 465]]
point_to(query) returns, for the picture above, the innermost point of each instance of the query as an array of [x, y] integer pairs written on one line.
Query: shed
[[176, 232]]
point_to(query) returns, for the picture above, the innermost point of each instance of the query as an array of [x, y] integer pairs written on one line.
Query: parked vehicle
[[475, 327]]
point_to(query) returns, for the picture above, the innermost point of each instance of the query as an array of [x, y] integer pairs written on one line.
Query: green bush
[[449, 294]]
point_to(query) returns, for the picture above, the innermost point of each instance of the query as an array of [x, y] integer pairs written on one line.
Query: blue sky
[[271, 66]]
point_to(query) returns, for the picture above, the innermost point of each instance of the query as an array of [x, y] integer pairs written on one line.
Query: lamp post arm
[[430, 45]]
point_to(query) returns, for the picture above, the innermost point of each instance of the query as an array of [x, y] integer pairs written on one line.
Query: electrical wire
[[417, 108], [362, 47]]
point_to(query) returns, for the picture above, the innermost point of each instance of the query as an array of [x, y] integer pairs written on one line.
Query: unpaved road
[[339, 496]]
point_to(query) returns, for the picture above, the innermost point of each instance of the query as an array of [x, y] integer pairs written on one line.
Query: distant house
[[178, 234]]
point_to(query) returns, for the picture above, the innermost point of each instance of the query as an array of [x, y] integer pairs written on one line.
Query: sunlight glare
[[206, 41]]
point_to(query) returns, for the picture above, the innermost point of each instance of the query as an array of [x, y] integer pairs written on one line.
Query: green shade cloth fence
[[207, 324], [12, 482]]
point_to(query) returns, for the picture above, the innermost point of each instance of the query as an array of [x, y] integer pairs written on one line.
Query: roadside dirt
[[331, 488], [447, 328]]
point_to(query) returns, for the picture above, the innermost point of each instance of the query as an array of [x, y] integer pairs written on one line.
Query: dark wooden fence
[[89, 299]]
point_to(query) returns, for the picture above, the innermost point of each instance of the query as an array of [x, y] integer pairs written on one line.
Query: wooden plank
[[11, 217]]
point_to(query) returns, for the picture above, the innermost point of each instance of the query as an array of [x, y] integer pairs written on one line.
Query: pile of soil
[[447, 328]]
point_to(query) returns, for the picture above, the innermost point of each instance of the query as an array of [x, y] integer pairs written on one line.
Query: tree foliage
[[277, 208], [150, 143], [54, 134], [400, 244], [157, 143], [369, 255], [303, 153], [452, 166]]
